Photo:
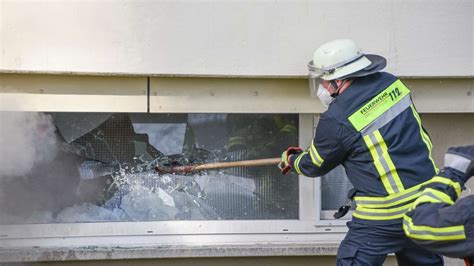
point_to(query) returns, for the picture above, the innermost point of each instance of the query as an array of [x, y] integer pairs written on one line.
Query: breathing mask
[[324, 96]]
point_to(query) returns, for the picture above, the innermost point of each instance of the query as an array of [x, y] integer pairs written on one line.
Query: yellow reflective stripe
[[377, 164], [428, 195], [388, 116], [426, 139], [447, 181], [380, 214], [389, 161], [377, 218], [424, 232], [390, 198], [404, 196], [383, 163], [432, 196], [378, 105], [315, 157], [297, 162], [408, 195]]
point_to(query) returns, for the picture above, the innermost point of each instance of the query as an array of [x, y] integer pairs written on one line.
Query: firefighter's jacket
[[438, 223], [375, 132]]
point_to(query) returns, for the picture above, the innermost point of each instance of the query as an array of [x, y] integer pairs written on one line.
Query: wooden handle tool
[[213, 166]]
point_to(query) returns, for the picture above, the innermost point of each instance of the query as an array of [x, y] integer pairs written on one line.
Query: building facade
[[133, 84]]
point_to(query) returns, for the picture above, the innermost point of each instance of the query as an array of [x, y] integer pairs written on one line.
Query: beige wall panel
[[71, 103], [55, 93], [442, 95], [129, 94], [213, 95], [288, 95], [231, 38], [448, 130]]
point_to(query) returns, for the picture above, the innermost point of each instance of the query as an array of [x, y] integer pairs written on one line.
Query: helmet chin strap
[[339, 88]]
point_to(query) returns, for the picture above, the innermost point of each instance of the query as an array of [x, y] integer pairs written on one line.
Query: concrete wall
[[231, 38]]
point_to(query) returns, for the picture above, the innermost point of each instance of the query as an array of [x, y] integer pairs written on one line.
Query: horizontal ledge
[[156, 252]]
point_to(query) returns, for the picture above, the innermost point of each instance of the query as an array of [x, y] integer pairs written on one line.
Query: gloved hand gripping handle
[[285, 165]]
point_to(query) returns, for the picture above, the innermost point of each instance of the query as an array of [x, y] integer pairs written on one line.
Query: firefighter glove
[[285, 165]]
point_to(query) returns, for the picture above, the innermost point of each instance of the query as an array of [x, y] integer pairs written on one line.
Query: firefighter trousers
[[367, 244]]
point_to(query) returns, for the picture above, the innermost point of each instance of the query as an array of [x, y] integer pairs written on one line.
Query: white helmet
[[341, 59]]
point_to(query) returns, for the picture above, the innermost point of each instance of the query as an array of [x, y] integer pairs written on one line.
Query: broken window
[[104, 170]]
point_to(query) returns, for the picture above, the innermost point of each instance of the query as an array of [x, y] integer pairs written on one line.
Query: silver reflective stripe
[[385, 202], [388, 116], [384, 163], [427, 193], [431, 233], [381, 214], [456, 162]]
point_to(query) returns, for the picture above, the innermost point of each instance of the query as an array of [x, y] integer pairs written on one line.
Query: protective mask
[[324, 96]]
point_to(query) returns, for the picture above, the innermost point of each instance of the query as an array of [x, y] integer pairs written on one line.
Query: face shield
[[314, 76], [344, 68]]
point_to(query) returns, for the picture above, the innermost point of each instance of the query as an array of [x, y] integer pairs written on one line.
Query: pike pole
[[214, 166]]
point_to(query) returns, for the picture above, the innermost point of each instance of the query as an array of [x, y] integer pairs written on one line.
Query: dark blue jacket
[[383, 156]]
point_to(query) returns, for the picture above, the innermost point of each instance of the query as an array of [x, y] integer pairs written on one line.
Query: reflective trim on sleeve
[[383, 163], [379, 208], [315, 157], [379, 105], [456, 162], [423, 232], [296, 164], [430, 195], [426, 139], [447, 181], [404, 196]]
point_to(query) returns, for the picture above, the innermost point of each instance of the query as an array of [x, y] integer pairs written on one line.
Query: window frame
[[312, 222]]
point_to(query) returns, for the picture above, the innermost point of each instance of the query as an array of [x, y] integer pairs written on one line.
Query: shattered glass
[[74, 125], [110, 174]]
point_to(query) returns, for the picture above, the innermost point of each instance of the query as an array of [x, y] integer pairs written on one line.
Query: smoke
[[26, 139]]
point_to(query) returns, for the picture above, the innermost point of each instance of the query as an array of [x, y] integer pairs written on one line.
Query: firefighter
[[438, 224], [372, 128]]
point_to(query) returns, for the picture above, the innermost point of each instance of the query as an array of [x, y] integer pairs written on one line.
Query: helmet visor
[[314, 77]]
